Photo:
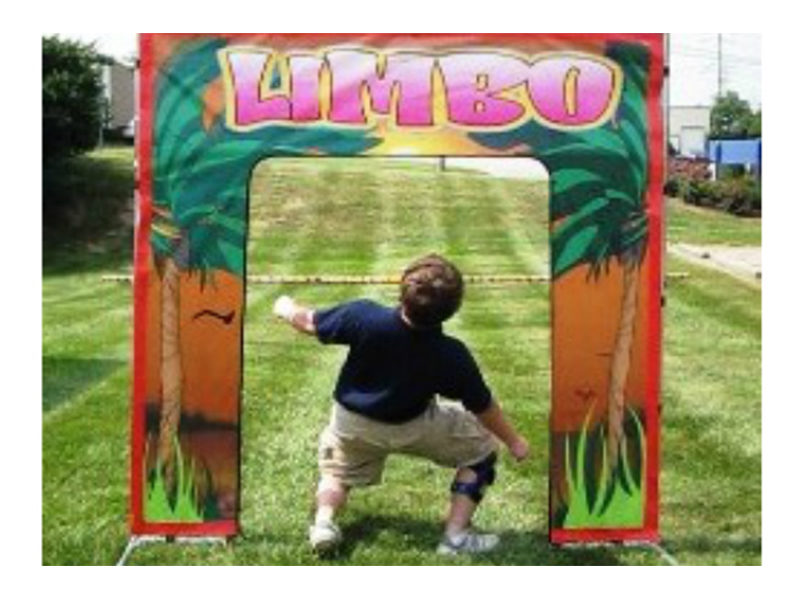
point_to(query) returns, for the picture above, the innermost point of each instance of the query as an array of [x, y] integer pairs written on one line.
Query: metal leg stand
[[140, 540]]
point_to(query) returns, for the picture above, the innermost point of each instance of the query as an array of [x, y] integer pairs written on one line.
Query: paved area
[[515, 167], [743, 262]]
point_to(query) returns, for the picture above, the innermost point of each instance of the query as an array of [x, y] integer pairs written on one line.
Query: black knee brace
[[485, 472]]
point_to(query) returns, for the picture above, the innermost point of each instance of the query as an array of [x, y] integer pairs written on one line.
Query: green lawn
[[695, 225], [325, 216]]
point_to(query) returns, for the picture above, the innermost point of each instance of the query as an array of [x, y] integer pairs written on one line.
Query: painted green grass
[[326, 216], [619, 500], [181, 505]]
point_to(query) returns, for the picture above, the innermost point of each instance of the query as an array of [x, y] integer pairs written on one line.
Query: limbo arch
[[587, 106]]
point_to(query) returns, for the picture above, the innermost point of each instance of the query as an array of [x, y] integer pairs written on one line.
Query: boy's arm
[[495, 421], [299, 317]]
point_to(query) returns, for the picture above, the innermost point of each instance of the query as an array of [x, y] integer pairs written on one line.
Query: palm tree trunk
[[171, 369], [621, 360]]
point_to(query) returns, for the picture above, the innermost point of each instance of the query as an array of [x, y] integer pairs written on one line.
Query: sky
[[694, 63], [694, 67]]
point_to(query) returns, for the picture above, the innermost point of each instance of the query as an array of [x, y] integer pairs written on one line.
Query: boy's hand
[[299, 317], [285, 308], [519, 448], [494, 420]]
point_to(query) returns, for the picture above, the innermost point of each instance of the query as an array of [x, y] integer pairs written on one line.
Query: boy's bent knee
[[472, 480], [329, 485]]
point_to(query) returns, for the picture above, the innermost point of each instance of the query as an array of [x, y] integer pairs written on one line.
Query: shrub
[[701, 193], [689, 179], [689, 168], [671, 186], [72, 103], [87, 196], [739, 196], [677, 186]]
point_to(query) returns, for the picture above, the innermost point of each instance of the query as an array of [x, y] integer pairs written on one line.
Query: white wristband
[[285, 308]]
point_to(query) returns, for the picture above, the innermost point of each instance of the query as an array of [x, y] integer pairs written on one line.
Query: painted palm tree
[[200, 196], [195, 227], [597, 211]]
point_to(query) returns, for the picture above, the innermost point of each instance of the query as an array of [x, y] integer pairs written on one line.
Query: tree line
[[73, 107]]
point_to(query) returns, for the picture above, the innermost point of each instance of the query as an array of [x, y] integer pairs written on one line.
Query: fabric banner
[[587, 106]]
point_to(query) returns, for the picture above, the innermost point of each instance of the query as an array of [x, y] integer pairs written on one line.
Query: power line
[[738, 62], [723, 57], [744, 46], [719, 65], [712, 55]]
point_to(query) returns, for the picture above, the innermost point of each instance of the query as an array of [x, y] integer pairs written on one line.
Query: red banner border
[[648, 533]]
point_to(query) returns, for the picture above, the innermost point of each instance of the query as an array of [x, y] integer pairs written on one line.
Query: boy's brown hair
[[431, 290]]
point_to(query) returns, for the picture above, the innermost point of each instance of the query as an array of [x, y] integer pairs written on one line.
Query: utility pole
[[719, 65]]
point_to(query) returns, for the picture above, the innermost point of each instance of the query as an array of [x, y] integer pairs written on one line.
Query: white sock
[[324, 514], [456, 536]]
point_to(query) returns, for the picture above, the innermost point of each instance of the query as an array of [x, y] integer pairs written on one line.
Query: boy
[[399, 359]]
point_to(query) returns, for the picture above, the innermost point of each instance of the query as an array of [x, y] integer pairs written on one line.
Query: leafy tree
[[754, 125], [732, 117], [71, 97]]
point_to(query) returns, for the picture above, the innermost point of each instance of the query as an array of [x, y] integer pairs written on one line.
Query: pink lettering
[[406, 78], [473, 81], [561, 90], [570, 90], [247, 71], [305, 74]]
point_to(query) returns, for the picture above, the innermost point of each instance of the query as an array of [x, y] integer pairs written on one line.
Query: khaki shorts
[[353, 448]]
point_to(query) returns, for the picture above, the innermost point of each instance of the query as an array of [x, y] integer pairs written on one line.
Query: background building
[[689, 129], [119, 92]]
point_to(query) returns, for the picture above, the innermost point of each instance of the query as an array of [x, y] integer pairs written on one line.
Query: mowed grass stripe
[[711, 474], [477, 240], [270, 226], [728, 391], [525, 220], [410, 226], [696, 225], [85, 490], [315, 221], [86, 328], [100, 307], [342, 236]]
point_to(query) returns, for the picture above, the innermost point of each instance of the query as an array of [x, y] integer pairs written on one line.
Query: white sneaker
[[468, 542], [324, 536]]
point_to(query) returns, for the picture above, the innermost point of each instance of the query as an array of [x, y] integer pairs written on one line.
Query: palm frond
[[598, 177]]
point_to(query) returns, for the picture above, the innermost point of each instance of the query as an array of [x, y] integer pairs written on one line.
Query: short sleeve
[[461, 379], [337, 324]]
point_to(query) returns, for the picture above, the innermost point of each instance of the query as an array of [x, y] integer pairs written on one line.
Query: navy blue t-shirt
[[393, 370]]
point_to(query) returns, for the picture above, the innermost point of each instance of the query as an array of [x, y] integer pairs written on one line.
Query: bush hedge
[[737, 195], [734, 192], [72, 102]]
